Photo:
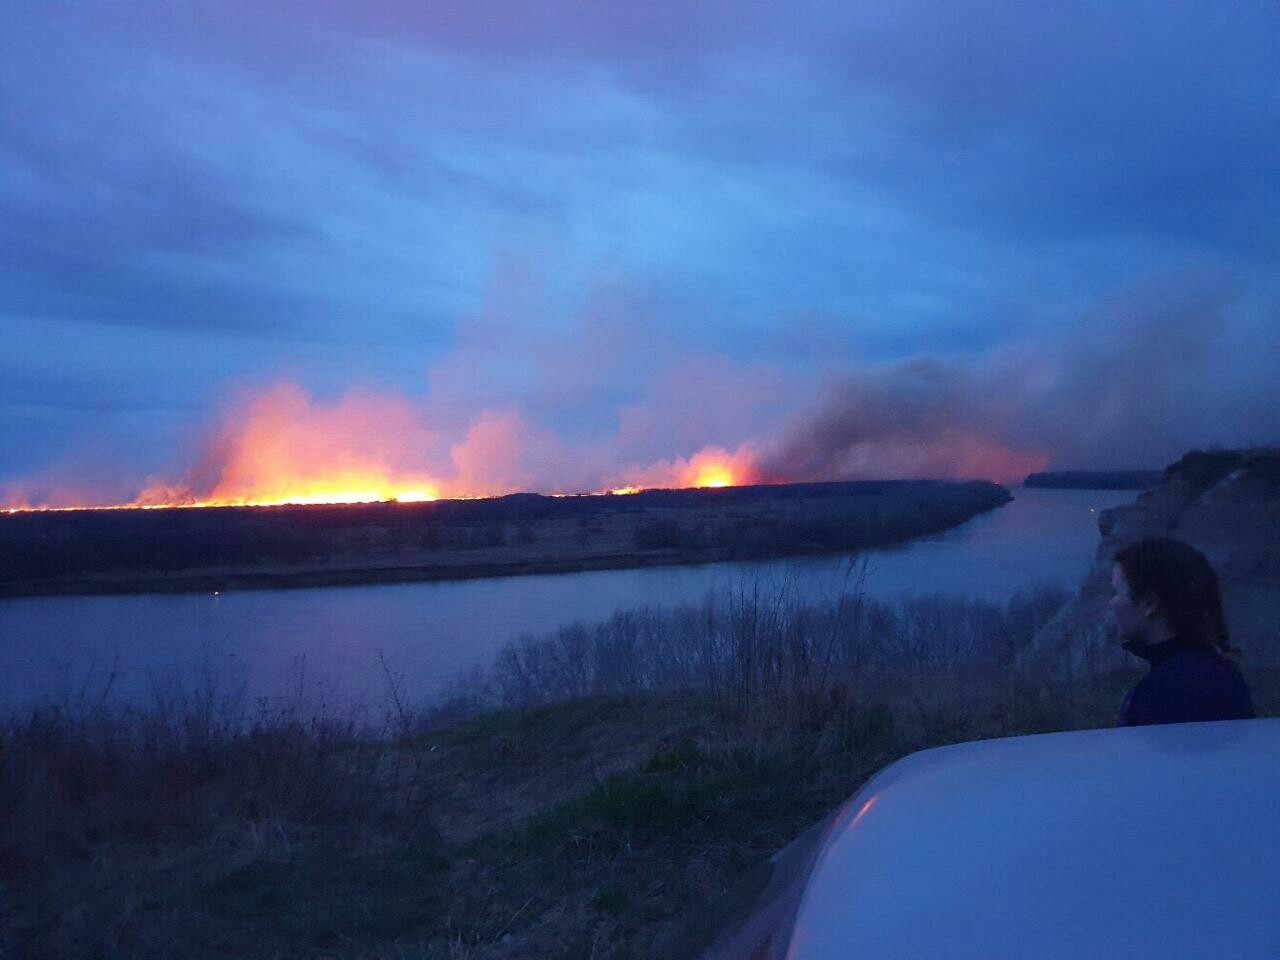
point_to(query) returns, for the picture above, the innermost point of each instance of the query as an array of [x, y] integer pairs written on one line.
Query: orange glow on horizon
[[261, 468], [302, 498], [312, 497], [279, 447], [715, 467], [310, 492], [712, 466], [714, 477]]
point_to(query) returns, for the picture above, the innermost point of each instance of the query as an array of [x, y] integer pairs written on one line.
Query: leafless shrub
[[764, 654]]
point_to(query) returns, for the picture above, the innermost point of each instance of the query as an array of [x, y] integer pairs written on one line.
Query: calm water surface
[[331, 642]]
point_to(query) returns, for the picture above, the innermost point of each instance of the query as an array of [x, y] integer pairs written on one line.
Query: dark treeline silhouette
[[733, 522], [881, 513]]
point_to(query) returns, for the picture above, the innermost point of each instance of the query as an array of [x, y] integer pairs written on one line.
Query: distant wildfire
[[617, 405], [280, 446], [710, 467]]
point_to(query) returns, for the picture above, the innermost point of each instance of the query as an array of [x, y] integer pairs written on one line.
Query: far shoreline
[[392, 576], [383, 576], [1136, 480], [524, 536]]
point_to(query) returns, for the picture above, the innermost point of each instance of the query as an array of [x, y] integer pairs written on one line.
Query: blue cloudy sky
[[563, 243]]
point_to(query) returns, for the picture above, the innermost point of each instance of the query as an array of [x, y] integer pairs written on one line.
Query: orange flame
[[709, 467], [716, 467], [281, 447], [715, 476], [284, 449]]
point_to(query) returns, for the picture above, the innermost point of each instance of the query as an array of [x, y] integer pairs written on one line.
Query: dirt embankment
[[1227, 504]]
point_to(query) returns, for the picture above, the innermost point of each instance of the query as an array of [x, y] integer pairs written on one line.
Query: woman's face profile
[[1130, 619]]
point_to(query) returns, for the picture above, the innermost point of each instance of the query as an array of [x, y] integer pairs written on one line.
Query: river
[[341, 644]]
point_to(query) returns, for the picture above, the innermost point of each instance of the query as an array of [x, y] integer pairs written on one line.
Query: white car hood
[[1143, 842]]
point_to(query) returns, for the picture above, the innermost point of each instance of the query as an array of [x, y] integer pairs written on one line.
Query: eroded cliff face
[[1227, 504]]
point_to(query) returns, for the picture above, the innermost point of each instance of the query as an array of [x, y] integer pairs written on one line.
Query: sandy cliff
[[1226, 503]]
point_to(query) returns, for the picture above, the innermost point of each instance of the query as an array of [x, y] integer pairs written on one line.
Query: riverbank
[[607, 827], [217, 549], [610, 824], [587, 828]]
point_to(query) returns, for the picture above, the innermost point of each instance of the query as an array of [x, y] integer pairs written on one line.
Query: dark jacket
[[1187, 682]]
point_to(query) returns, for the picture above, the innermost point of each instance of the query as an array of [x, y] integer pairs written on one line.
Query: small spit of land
[[218, 548], [1095, 479]]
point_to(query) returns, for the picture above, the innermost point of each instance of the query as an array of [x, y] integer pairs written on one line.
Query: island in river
[[217, 548]]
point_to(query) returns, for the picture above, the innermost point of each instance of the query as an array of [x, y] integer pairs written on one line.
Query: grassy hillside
[[508, 823]]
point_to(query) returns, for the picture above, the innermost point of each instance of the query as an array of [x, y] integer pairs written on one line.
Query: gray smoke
[[1136, 383]]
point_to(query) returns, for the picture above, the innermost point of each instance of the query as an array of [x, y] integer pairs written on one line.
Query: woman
[[1167, 610]]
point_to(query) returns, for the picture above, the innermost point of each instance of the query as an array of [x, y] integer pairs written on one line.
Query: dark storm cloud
[[42, 391], [107, 214], [92, 285], [1080, 119]]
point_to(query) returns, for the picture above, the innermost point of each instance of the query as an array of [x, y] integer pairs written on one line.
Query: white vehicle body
[[1158, 841], [1144, 842]]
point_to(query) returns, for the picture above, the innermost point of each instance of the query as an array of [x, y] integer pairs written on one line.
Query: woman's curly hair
[[1181, 580]]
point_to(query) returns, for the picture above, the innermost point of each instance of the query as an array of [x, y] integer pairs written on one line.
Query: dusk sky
[[564, 247]]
